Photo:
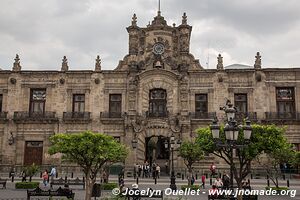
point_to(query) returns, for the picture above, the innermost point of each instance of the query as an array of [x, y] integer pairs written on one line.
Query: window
[[201, 105], [115, 105], [285, 101], [296, 146], [117, 138], [37, 100], [240, 102], [158, 103], [1, 100], [78, 102]]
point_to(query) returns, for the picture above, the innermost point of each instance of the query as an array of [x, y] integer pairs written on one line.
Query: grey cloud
[[43, 31]]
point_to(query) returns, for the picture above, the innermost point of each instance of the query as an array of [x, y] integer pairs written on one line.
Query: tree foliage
[[191, 152], [264, 139], [91, 151]]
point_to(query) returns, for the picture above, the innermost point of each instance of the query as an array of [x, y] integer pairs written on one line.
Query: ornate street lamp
[[172, 146], [231, 131]]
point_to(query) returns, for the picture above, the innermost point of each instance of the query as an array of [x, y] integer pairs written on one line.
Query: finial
[[220, 62], [98, 64], [158, 12], [64, 65], [257, 64], [134, 20], [174, 25], [17, 66], [184, 19]]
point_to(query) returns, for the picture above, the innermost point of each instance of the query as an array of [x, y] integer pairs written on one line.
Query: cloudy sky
[[43, 31]]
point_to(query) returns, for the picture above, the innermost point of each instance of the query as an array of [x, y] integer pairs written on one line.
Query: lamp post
[[134, 146], [231, 131], [172, 146]]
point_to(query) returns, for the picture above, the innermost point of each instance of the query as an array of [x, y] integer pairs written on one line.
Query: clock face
[[158, 48]]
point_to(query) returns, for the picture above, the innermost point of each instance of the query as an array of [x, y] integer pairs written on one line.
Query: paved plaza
[[10, 193]]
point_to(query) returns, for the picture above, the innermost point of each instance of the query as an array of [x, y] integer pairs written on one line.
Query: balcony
[[76, 117], [203, 115], [286, 116], [241, 116], [3, 117], [157, 115], [44, 117], [116, 118]]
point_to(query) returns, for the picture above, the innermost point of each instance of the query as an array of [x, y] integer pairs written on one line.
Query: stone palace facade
[[157, 90]]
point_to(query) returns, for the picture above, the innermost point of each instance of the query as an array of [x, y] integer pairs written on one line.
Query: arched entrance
[[155, 151]]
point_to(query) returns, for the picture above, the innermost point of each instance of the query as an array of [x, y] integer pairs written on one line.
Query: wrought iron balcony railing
[[3, 115], [240, 116], [157, 114], [110, 115], [76, 116], [203, 115], [282, 116], [34, 116]]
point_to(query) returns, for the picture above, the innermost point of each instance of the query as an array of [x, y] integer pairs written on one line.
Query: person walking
[[52, 173], [158, 171], [203, 181], [45, 177], [167, 166]]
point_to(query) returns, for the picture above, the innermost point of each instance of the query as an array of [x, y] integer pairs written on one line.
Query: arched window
[[157, 103]]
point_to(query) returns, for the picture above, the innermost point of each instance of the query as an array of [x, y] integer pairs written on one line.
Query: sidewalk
[[13, 194]]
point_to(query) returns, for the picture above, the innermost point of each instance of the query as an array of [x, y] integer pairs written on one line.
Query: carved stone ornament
[[62, 81], [138, 124], [97, 81], [174, 124], [13, 80], [258, 77], [220, 78]]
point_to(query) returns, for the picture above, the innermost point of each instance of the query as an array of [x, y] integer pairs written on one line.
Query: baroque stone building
[[157, 90]]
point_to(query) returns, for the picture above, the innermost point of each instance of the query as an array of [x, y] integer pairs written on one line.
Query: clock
[[158, 48]]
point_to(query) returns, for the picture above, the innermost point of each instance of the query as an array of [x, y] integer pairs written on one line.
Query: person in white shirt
[[53, 173], [218, 183]]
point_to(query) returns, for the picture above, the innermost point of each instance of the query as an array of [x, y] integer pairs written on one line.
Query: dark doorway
[[33, 153], [155, 149]]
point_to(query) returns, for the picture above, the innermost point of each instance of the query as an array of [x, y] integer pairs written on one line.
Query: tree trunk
[[89, 186], [190, 175]]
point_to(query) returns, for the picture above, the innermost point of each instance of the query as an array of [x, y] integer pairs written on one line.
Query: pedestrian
[[213, 169], [167, 166], [218, 183], [45, 177], [23, 175], [192, 180], [52, 173], [203, 181], [158, 171], [226, 181], [140, 170]]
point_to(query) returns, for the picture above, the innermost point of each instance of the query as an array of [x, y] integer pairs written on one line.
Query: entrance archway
[[155, 150]]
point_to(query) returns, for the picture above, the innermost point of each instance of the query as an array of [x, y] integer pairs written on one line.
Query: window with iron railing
[[115, 105], [201, 104], [285, 100], [78, 103], [157, 103], [37, 101], [240, 103]]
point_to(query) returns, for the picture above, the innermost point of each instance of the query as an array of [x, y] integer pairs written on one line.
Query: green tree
[[283, 153], [191, 152], [31, 170], [265, 138], [91, 151]]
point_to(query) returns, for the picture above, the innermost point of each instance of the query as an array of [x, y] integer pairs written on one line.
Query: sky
[[42, 32]]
